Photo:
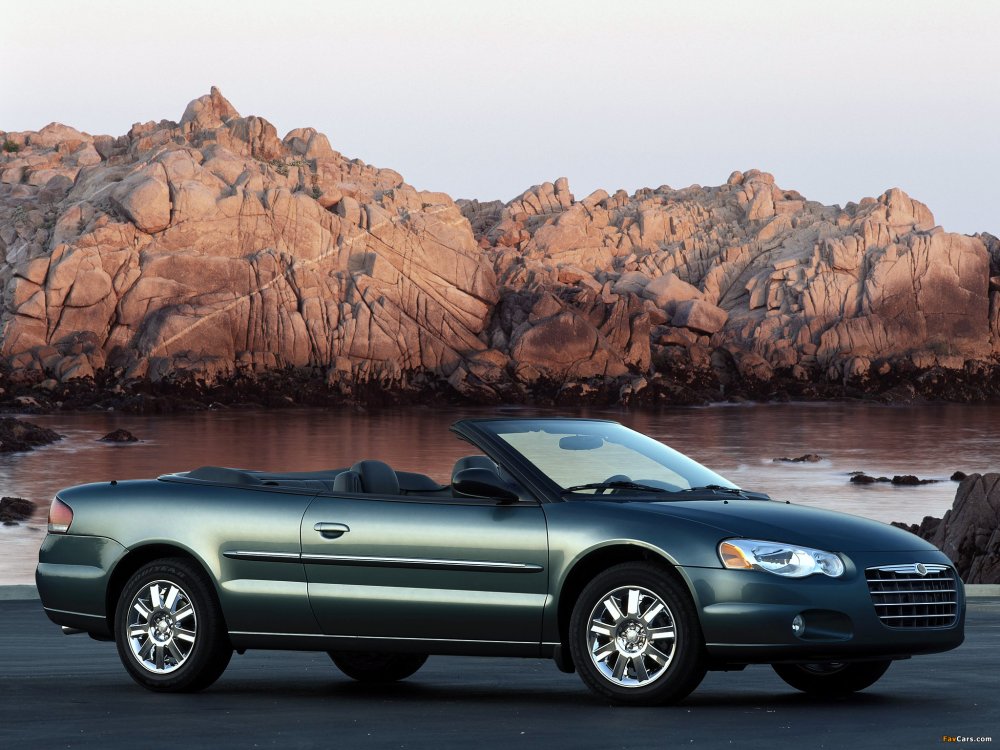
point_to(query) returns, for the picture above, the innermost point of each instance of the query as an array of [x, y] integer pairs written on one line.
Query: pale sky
[[839, 100]]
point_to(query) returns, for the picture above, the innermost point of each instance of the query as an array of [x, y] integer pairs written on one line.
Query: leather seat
[[377, 478], [472, 462]]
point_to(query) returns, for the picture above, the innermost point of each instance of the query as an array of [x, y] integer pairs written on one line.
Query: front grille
[[914, 595]]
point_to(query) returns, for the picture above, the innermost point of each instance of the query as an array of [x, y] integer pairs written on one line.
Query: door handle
[[331, 530]]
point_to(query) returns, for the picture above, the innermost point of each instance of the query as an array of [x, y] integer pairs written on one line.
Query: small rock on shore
[[859, 477], [13, 510], [808, 458]]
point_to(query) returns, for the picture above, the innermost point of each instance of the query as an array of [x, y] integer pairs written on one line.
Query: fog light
[[798, 625]]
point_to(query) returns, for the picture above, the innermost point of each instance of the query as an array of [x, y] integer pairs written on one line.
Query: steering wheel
[[660, 483], [612, 478]]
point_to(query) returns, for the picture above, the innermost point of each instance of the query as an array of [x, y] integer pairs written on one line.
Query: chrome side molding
[[488, 566]]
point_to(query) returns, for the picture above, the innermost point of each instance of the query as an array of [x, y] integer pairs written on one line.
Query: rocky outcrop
[[13, 510], [18, 435], [211, 245], [759, 279], [211, 248], [119, 436], [906, 480], [969, 533]]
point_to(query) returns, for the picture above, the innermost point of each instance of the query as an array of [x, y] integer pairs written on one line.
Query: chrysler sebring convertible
[[577, 540]]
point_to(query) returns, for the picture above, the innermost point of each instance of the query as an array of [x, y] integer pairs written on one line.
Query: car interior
[[364, 477]]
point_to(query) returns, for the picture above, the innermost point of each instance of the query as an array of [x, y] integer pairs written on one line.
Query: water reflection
[[737, 441]]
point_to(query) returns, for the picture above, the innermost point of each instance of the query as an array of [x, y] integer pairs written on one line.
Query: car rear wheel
[[830, 679], [169, 630], [635, 638], [377, 667]]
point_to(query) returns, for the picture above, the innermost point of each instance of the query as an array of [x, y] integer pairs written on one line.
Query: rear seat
[[378, 478], [348, 481]]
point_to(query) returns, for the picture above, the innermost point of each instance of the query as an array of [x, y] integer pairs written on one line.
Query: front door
[[426, 569]]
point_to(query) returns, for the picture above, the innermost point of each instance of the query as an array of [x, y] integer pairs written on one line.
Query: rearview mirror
[[581, 442], [485, 484]]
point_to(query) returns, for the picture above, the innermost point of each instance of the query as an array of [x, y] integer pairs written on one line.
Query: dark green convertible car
[[576, 540]]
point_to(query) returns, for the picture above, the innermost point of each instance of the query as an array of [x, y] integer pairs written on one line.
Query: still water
[[737, 441]]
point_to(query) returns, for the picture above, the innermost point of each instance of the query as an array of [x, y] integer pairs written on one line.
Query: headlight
[[787, 560]]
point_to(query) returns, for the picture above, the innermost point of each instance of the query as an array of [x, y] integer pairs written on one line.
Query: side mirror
[[485, 484]]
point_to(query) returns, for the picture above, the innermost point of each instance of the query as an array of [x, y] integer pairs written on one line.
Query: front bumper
[[746, 616], [72, 579]]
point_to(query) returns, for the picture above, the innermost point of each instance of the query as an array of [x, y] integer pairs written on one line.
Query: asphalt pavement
[[60, 691]]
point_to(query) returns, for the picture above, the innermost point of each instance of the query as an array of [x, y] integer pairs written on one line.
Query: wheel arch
[[141, 555], [599, 559]]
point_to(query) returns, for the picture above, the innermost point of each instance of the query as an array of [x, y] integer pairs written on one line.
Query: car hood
[[795, 524]]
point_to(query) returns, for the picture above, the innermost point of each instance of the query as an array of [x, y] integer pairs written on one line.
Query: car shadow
[[402, 692], [457, 693]]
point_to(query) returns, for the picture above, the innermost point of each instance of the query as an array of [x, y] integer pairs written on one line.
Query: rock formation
[[210, 247], [753, 274], [13, 510], [969, 533], [119, 436], [18, 435], [210, 244], [909, 480]]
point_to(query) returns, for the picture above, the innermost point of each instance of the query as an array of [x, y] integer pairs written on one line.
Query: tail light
[[60, 517]]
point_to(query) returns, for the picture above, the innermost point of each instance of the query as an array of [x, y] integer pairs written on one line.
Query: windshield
[[573, 453]]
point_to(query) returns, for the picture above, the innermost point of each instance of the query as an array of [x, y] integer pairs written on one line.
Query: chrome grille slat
[[903, 580], [889, 593], [904, 595], [898, 617]]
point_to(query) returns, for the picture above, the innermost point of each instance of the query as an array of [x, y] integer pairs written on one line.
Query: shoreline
[[311, 387]]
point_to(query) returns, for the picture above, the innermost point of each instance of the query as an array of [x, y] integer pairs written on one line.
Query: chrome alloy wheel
[[631, 636], [161, 627]]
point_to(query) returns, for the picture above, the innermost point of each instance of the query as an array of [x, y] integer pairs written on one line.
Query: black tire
[[375, 667], [665, 645], [179, 646], [831, 679]]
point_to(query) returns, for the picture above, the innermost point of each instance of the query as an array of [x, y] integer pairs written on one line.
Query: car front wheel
[[377, 667], [830, 679], [169, 630], [635, 638]]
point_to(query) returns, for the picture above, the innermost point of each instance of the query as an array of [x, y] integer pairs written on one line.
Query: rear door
[[427, 569], [250, 539]]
